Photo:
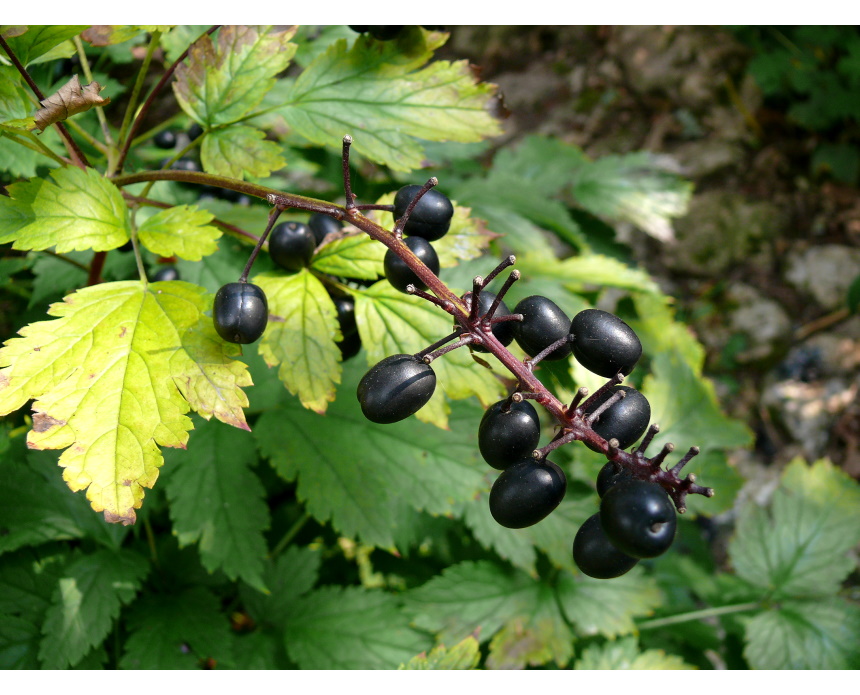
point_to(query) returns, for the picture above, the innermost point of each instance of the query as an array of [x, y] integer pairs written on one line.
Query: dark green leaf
[[38, 41]]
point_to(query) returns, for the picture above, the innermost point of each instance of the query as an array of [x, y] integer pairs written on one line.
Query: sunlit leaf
[[182, 231], [239, 151], [464, 655]]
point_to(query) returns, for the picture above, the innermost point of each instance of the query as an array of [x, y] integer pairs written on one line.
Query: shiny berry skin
[[291, 245], [603, 343], [625, 421], [395, 388], [527, 492], [595, 555], [400, 275], [323, 225], [611, 474], [431, 217], [543, 324], [638, 518], [168, 272], [240, 312], [345, 307], [165, 140], [505, 438], [504, 332]]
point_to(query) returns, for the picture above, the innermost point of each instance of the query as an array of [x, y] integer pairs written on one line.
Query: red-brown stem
[[274, 214], [141, 115]]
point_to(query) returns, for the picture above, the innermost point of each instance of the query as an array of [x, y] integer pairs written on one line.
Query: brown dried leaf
[[68, 101]]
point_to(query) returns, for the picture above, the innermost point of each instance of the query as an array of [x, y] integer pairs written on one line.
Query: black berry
[[611, 474], [595, 555], [527, 492], [166, 140], [508, 436], [291, 245], [400, 275], [195, 131], [168, 272], [430, 218], [638, 517], [345, 307], [240, 312], [603, 343], [396, 388], [625, 420], [323, 225], [349, 346], [543, 324]]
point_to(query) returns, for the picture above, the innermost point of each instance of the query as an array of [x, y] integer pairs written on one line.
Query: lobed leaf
[[217, 501], [38, 43], [239, 151], [351, 628], [625, 655], [463, 656], [74, 210], [300, 336], [182, 231], [226, 78], [391, 101], [86, 602], [801, 547], [353, 256], [113, 377]]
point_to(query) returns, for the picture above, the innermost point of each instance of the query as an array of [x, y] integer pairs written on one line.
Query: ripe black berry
[[166, 140], [603, 343], [625, 421], [595, 555], [396, 388], [505, 438], [349, 346], [240, 312], [345, 307], [195, 131], [323, 225], [400, 275], [527, 492], [168, 272], [638, 518], [504, 332], [291, 245], [430, 218], [543, 324], [611, 474]]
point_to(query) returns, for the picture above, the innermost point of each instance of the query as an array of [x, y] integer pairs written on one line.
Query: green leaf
[[391, 322], [591, 269], [182, 231], [639, 187], [600, 607], [86, 602], [365, 490], [288, 578], [176, 631], [805, 635], [351, 628], [218, 501], [28, 579], [240, 151], [38, 41], [659, 332], [225, 79], [76, 210], [353, 256], [625, 655], [300, 336], [109, 35], [463, 656], [19, 643], [391, 101], [686, 408], [544, 162], [113, 390], [801, 547]]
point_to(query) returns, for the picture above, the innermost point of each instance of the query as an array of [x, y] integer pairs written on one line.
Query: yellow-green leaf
[[353, 256], [73, 211], [463, 656], [240, 150], [182, 231], [224, 79], [113, 377], [391, 102], [301, 336]]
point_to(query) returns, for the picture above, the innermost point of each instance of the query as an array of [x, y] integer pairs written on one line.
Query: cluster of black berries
[[241, 310]]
